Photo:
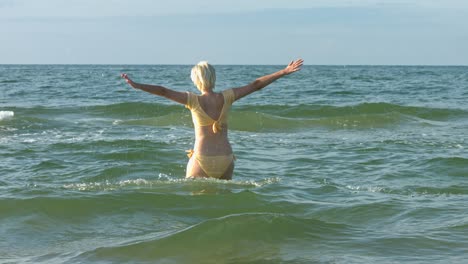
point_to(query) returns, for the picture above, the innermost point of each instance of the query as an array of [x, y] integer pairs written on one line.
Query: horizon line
[[221, 64]]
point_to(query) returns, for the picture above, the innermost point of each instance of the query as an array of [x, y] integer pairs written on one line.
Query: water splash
[[4, 115]]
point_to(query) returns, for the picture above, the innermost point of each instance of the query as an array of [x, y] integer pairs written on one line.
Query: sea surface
[[335, 164]]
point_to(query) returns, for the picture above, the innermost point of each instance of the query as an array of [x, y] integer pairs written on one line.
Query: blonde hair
[[203, 75]]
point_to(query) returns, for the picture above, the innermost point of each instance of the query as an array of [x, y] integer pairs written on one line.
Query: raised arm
[[263, 81], [179, 97]]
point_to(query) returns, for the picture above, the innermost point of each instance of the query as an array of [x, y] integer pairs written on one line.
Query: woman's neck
[[209, 92]]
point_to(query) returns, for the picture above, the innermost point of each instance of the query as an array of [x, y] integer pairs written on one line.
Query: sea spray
[[4, 115]]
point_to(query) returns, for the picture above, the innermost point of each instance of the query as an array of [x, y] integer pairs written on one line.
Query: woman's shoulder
[[192, 100], [228, 95]]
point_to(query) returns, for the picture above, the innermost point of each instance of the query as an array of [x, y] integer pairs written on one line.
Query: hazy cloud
[[157, 32], [93, 8], [6, 3]]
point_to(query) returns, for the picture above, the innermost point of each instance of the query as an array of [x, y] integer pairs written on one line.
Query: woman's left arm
[[179, 97]]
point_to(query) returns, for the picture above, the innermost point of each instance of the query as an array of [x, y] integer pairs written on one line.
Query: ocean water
[[335, 164]]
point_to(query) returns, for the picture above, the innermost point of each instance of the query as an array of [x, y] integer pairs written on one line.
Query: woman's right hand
[[294, 66]]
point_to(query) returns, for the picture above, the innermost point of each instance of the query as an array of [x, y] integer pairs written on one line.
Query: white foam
[[167, 180], [374, 189], [6, 115]]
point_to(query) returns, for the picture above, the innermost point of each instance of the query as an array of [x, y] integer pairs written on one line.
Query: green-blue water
[[359, 164]]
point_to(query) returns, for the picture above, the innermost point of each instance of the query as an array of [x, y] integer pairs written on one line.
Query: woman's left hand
[[128, 80]]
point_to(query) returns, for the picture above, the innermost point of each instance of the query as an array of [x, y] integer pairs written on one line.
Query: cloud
[[106, 8], [405, 32], [6, 3]]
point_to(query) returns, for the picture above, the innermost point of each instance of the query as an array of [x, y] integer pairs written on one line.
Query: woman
[[212, 155]]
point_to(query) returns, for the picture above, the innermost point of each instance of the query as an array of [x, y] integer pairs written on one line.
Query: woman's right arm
[[179, 97], [263, 81]]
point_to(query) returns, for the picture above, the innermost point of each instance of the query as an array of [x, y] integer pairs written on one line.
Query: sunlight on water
[[356, 164]]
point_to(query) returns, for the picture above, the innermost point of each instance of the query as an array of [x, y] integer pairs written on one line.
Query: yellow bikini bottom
[[213, 166]]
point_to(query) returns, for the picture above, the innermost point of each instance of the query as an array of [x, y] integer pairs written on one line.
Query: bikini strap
[[229, 97], [192, 101], [189, 153]]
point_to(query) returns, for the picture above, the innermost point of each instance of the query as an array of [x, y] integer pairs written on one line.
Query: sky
[[322, 32]]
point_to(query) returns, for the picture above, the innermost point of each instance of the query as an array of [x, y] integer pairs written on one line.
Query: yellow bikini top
[[201, 118]]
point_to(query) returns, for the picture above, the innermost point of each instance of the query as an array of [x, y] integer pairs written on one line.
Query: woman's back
[[212, 104], [209, 114]]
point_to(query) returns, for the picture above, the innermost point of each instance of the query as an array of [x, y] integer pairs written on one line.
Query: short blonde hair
[[203, 75]]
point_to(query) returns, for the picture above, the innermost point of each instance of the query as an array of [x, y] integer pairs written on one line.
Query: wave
[[413, 190], [285, 111], [286, 118], [367, 109], [91, 197], [448, 161], [4, 115], [166, 180], [371, 78], [134, 109], [389, 189], [171, 119], [260, 118], [438, 191], [10, 81], [238, 238], [361, 116], [447, 166]]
